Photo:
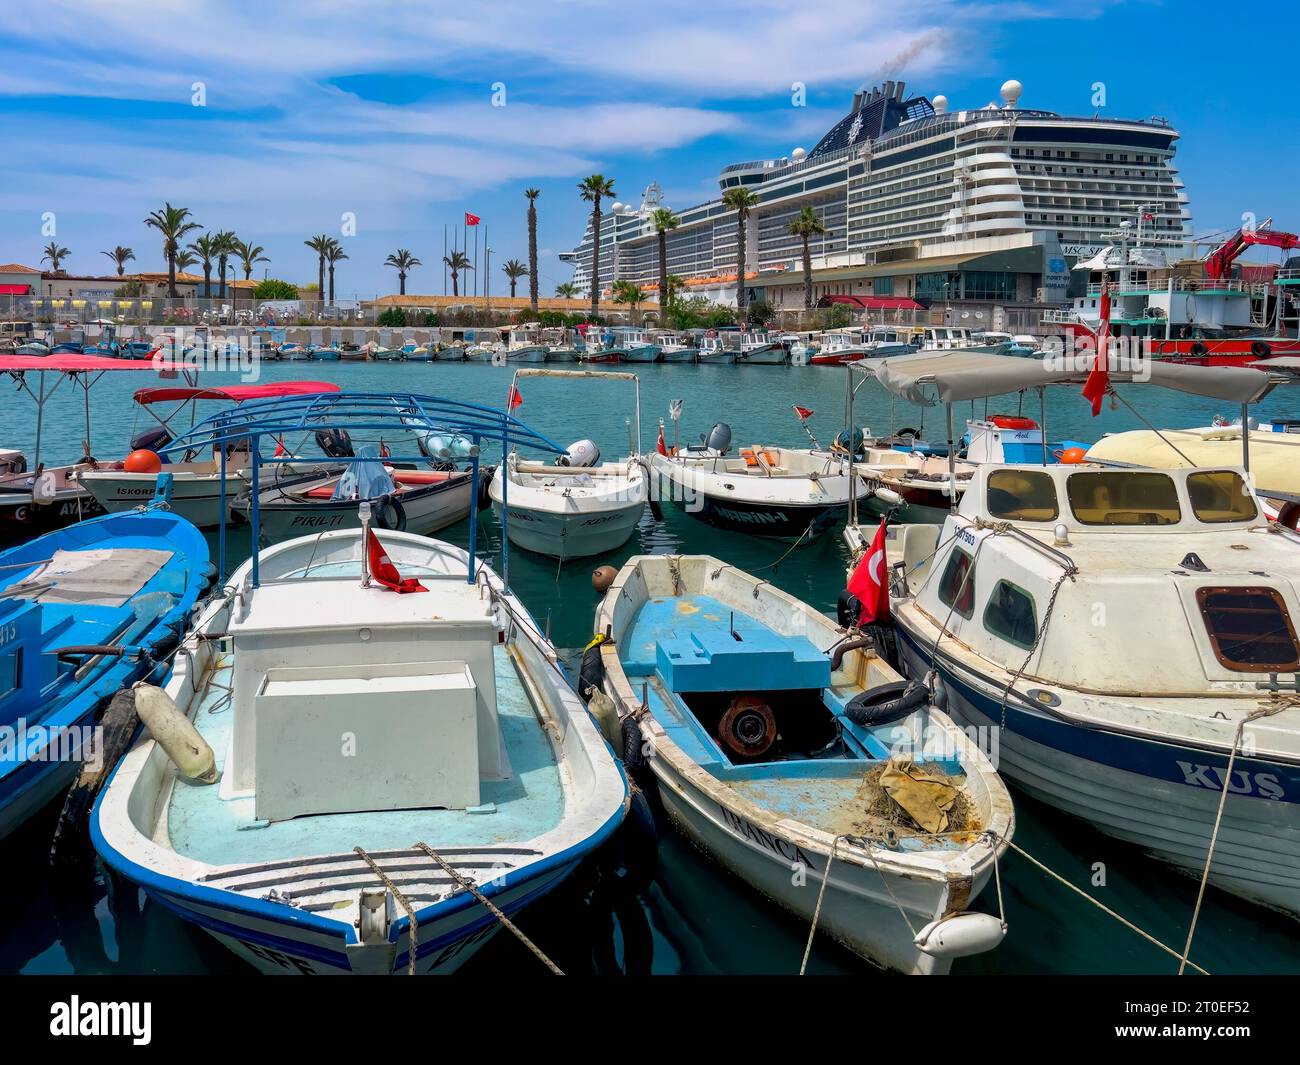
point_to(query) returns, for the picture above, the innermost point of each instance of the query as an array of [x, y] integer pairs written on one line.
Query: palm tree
[[742, 201], [627, 292], [593, 189], [54, 255], [172, 223], [664, 220], [185, 259], [807, 226], [333, 254], [226, 241], [249, 255], [532, 195], [567, 291], [205, 251], [456, 262], [121, 256], [402, 261], [318, 244], [514, 270]]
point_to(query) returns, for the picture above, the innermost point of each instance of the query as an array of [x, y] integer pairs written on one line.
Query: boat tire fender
[[1260, 350], [656, 511], [390, 514], [1199, 350], [1289, 515], [591, 674], [633, 744], [886, 703], [485, 476]]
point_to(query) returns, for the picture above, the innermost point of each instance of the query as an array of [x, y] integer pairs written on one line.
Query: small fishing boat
[[292, 351], [787, 749], [757, 348], [525, 344], [324, 353], [84, 612], [559, 346], [449, 353], [599, 345], [840, 346], [477, 778], [714, 348], [199, 485], [635, 345], [36, 497], [793, 494], [105, 343], [577, 506], [676, 347], [16, 335]]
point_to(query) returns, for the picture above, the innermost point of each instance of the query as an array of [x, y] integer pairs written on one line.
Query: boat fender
[[44, 489], [886, 703], [1289, 515], [602, 708], [887, 495], [1260, 350], [1199, 350], [175, 734], [390, 514], [656, 511], [603, 577], [116, 728], [960, 934], [915, 434], [591, 674], [633, 745], [748, 727], [848, 608], [485, 476]]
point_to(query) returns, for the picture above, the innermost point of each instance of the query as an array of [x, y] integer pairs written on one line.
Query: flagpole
[[444, 258], [476, 261]]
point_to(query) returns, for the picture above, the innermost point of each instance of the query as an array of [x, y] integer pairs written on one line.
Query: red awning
[[83, 363], [875, 303], [236, 393], [15, 290]]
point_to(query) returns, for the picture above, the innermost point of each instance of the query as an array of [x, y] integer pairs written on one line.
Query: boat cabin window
[[1220, 495], [1022, 495], [1010, 614], [956, 589], [1250, 629], [1123, 497]]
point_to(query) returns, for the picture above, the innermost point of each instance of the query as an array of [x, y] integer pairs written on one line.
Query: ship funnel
[[889, 88], [898, 92]]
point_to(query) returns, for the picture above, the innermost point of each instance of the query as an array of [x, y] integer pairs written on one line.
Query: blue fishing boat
[[480, 781], [84, 611], [324, 353], [106, 344]]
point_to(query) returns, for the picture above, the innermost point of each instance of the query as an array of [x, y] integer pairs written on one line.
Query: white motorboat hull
[[772, 355], [578, 534], [1091, 774], [195, 496]]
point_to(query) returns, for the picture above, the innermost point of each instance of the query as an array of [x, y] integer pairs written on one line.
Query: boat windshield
[[1219, 496], [1022, 495], [1123, 497]]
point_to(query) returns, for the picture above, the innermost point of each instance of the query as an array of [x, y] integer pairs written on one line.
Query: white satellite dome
[[1011, 91], [798, 155], [940, 105], [618, 207]]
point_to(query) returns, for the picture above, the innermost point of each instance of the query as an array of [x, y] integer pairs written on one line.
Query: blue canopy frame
[[399, 412]]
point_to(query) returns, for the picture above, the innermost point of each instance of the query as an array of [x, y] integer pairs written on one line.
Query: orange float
[[142, 461]]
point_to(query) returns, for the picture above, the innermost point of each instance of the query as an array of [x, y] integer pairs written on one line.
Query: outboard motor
[[843, 441], [335, 443], [154, 439], [718, 438], [580, 453]]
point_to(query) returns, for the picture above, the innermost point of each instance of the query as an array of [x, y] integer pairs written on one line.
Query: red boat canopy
[[71, 363], [235, 393], [875, 303]]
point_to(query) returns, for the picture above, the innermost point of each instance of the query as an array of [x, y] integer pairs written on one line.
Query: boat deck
[[223, 831]]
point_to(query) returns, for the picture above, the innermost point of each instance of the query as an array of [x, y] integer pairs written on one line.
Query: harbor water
[[695, 918]]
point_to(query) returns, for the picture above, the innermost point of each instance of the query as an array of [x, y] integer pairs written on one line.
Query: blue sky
[[385, 109]]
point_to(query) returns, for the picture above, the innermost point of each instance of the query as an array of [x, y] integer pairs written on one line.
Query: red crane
[[1219, 262]]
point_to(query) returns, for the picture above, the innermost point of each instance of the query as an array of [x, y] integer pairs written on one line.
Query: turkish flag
[[803, 412], [383, 570], [516, 399], [280, 449], [472, 219], [1094, 388], [870, 581]]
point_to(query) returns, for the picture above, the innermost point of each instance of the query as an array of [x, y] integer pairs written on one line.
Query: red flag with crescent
[[870, 581]]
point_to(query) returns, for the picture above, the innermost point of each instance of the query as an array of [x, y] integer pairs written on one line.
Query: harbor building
[[955, 212]]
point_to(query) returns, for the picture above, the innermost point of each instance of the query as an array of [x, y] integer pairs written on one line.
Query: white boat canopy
[[934, 378]]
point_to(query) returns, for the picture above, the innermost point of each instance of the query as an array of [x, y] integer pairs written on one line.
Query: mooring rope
[[817, 911], [401, 900], [467, 884]]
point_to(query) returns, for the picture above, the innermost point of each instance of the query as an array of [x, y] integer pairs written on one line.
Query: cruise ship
[[985, 208]]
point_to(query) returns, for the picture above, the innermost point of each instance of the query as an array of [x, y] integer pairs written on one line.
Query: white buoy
[[174, 733], [960, 934], [888, 495]]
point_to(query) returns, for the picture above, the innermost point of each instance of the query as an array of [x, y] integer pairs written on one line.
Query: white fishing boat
[[787, 750], [1129, 632], [469, 783], [719, 348], [757, 348], [675, 347], [199, 485], [578, 506], [794, 494]]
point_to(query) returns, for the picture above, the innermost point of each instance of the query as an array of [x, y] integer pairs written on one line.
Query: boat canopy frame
[[408, 413]]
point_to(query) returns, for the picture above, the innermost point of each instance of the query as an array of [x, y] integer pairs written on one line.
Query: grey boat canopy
[[932, 379]]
